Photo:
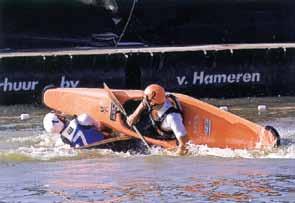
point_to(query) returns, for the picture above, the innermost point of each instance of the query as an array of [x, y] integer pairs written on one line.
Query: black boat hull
[[28, 24]]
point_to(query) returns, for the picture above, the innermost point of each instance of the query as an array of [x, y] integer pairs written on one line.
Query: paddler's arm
[[181, 149], [134, 117], [179, 130]]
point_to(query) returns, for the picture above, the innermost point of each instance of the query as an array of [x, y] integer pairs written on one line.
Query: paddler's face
[[151, 103], [61, 117], [157, 106]]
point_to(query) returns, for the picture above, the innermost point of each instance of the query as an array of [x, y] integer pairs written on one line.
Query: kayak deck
[[205, 123]]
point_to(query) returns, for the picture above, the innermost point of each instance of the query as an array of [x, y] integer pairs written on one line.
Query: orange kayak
[[205, 123]]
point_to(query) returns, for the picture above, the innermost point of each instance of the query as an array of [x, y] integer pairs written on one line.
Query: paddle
[[122, 110], [105, 141]]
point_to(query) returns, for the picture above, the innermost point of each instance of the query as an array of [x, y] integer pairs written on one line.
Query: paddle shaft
[[105, 141], [122, 110]]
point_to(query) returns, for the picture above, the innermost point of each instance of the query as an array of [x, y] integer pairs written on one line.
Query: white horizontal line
[[102, 51]]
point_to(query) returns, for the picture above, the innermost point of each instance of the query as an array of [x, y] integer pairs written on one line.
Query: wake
[[45, 147]]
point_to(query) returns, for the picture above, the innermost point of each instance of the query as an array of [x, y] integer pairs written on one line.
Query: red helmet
[[155, 94]]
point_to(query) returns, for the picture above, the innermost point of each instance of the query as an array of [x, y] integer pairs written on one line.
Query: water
[[37, 167]]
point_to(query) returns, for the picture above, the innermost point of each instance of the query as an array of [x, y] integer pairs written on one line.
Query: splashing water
[[42, 146], [26, 140]]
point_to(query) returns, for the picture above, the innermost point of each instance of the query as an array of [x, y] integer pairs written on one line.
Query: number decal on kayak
[[104, 109], [113, 112], [207, 126], [195, 125]]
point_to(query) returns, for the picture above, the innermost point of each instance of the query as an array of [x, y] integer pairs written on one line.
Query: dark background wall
[[50, 24], [69, 23], [222, 73], [215, 74], [23, 79]]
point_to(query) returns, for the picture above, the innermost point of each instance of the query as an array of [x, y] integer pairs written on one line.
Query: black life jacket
[[157, 123]]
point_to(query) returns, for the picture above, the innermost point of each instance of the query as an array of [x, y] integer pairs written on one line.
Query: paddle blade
[[121, 108], [114, 99]]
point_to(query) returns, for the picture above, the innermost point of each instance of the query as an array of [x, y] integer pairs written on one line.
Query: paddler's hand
[[181, 151], [134, 117], [131, 119]]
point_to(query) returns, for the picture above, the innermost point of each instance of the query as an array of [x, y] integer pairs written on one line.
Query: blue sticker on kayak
[[207, 127], [113, 112]]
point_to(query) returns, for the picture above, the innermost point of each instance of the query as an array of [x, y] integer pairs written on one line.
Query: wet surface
[[37, 167]]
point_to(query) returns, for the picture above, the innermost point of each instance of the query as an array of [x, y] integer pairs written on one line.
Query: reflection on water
[[242, 189], [164, 179]]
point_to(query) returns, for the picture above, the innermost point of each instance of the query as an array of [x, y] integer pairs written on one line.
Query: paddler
[[78, 132], [165, 113]]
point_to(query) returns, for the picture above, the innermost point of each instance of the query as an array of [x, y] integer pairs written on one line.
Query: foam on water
[[283, 152], [203, 150], [26, 140], [39, 147], [285, 127], [46, 147], [50, 147]]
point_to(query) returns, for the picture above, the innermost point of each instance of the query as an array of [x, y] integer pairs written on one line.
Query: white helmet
[[52, 124]]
